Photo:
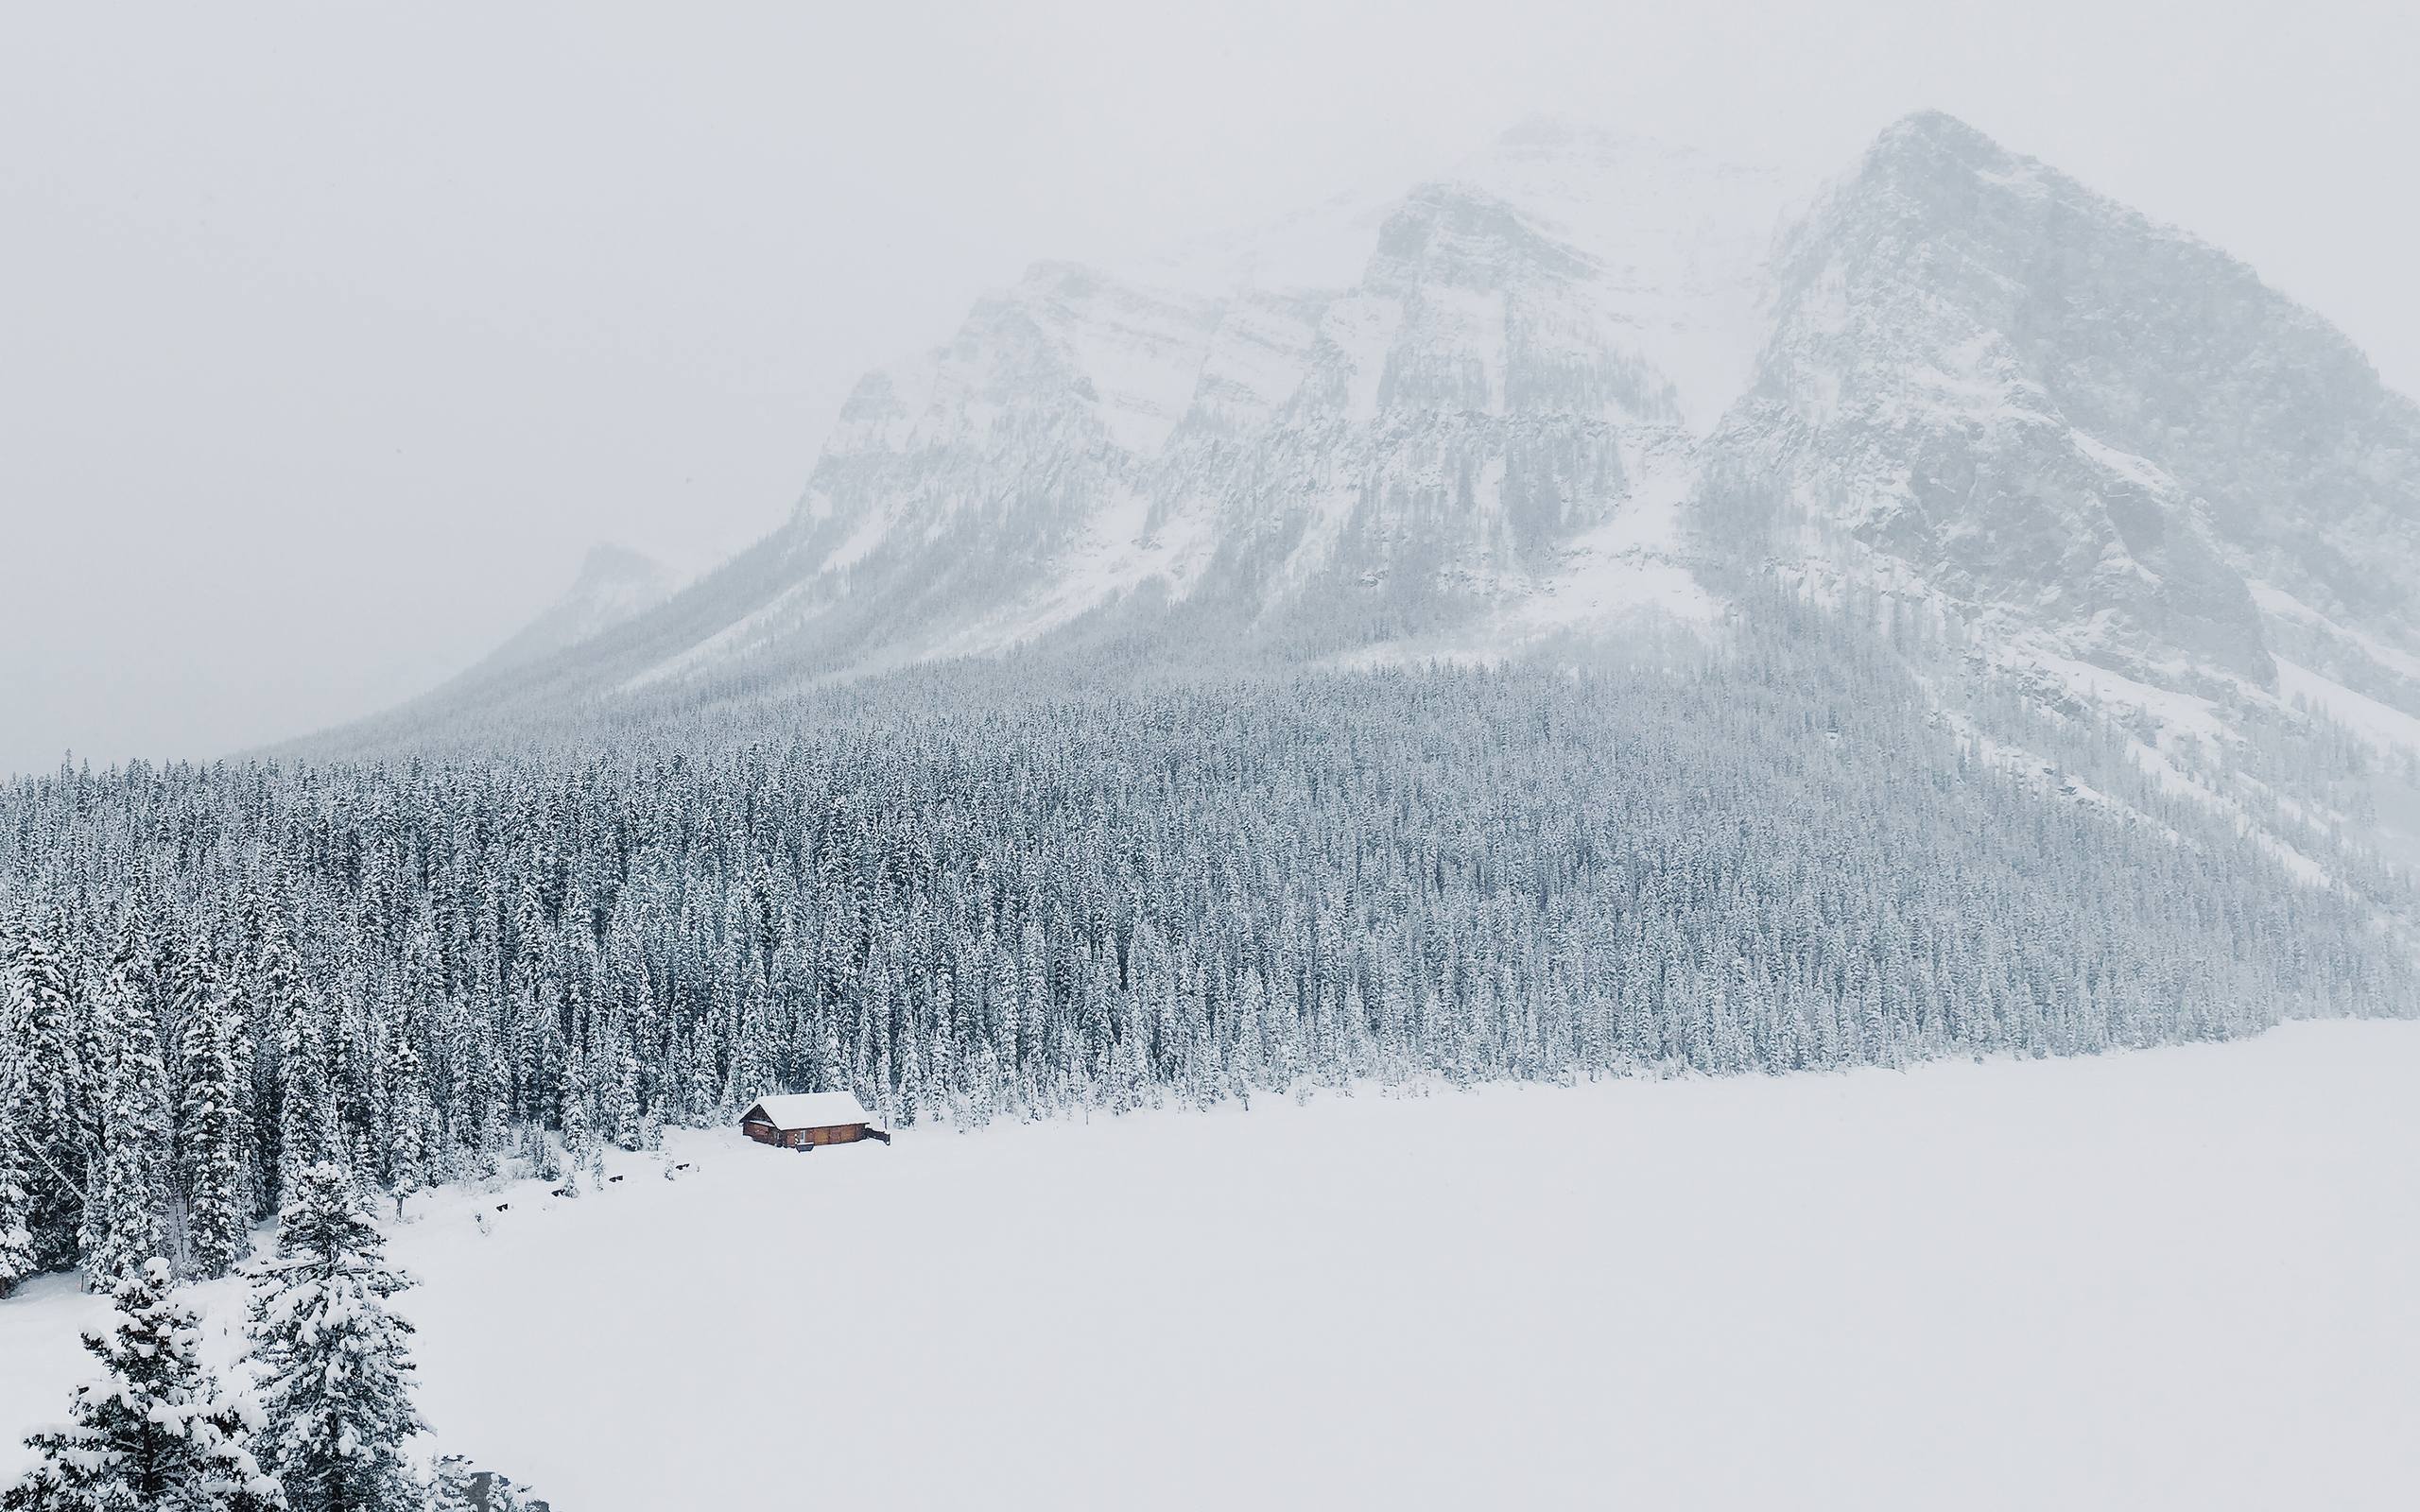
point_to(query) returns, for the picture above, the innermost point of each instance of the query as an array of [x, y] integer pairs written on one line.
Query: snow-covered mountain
[[1445, 400], [2127, 470], [2077, 426], [1579, 385]]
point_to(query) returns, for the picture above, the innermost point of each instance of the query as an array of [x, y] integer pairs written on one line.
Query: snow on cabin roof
[[811, 1110]]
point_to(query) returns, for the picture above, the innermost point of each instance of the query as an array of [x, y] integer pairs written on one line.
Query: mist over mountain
[[614, 584], [1580, 396]]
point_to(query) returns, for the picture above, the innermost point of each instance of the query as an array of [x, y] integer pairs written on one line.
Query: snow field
[[2181, 1277]]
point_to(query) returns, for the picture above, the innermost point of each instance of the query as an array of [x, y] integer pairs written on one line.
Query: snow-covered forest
[[966, 907]]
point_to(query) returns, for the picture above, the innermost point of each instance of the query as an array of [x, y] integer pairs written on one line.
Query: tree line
[[963, 908]]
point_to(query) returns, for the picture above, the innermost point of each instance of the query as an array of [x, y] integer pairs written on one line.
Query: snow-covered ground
[[2181, 1278]]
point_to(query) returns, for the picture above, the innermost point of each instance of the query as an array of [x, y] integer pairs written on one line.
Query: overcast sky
[[332, 337]]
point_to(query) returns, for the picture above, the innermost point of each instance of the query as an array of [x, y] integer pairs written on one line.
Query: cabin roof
[[809, 1110]]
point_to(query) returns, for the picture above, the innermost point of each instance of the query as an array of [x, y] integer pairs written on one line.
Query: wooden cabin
[[802, 1121]]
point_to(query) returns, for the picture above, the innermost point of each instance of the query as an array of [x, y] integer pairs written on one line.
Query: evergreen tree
[[309, 1131], [452, 1491], [618, 1110], [336, 1385], [579, 1127], [410, 1145], [126, 1221], [156, 1433], [212, 1121], [462, 1487], [46, 1079], [17, 1259]]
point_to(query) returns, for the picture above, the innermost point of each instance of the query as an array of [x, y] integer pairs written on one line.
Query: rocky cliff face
[[2132, 474], [2072, 425], [1924, 414]]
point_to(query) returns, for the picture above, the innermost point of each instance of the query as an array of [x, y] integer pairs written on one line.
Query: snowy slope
[[2174, 1278]]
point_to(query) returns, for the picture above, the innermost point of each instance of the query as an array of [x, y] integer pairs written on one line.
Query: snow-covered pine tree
[[295, 1072], [617, 1073], [704, 1105], [337, 1387], [16, 1205], [451, 1488], [214, 1124], [465, 1065], [157, 1432], [308, 1133], [125, 1214], [461, 1487], [578, 1124], [46, 1083], [410, 1150]]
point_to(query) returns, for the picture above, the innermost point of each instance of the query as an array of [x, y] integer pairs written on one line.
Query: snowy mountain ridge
[[1507, 358], [1581, 387]]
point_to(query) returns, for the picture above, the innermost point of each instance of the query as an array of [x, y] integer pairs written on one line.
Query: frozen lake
[[2182, 1277]]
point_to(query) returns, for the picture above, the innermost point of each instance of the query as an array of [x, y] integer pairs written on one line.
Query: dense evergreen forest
[[968, 905]]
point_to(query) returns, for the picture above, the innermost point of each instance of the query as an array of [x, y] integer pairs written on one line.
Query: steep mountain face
[[1582, 386], [2126, 471], [2083, 430]]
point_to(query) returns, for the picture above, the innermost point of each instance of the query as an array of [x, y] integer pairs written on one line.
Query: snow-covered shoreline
[[2173, 1277]]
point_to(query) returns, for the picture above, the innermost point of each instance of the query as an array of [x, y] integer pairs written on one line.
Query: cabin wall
[[804, 1138]]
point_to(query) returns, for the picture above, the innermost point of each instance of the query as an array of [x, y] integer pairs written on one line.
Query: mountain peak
[[614, 584], [1939, 132], [610, 563], [1933, 146]]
